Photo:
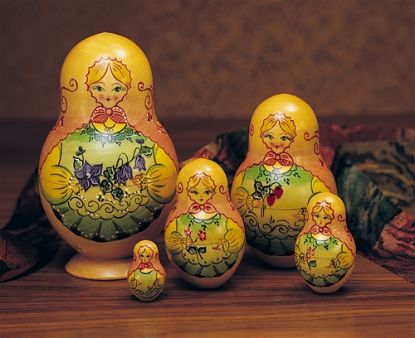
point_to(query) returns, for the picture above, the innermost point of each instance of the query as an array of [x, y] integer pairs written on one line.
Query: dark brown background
[[221, 58]]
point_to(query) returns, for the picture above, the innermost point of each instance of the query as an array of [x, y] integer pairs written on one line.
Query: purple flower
[[123, 173], [139, 140], [88, 175], [140, 164]]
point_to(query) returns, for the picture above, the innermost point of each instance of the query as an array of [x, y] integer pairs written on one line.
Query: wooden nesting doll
[[325, 251], [108, 168], [204, 235], [282, 170], [146, 276]]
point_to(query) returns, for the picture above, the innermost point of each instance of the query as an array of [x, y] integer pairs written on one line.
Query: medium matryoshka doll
[[108, 168], [204, 235], [146, 276], [325, 251], [282, 170]]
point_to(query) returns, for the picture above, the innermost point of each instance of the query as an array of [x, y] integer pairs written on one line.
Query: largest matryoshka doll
[[108, 168], [283, 169]]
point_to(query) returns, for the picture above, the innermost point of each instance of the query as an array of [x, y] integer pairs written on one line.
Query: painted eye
[[195, 192], [207, 192], [285, 138], [98, 88], [269, 136], [118, 89]]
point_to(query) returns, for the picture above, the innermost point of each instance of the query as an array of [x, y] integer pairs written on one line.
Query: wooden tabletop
[[258, 301]]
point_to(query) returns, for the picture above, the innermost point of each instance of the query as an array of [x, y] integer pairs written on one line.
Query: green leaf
[[106, 186], [117, 193], [109, 173], [146, 151]]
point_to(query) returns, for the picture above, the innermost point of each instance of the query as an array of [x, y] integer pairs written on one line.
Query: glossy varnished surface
[[257, 301]]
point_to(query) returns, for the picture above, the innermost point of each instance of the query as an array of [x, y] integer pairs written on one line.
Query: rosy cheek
[[101, 96], [115, 97]]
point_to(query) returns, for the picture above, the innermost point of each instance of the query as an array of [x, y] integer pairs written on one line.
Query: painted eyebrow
[[99, 82], [117, 83]]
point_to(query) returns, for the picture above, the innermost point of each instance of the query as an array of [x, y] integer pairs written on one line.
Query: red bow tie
[[323, 230], [207, 207], [147, 265], [101, 115], [282, 158]]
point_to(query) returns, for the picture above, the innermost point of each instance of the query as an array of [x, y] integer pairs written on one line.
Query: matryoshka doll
[[108, 169], [282, 170], [146, 276], [325, 251], [204, 235]]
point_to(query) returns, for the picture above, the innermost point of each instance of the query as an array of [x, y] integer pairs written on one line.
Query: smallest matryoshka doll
[[204, 234], [146, 276], [325, 251]]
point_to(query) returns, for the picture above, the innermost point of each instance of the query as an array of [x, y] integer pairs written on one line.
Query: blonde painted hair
[[144, 248], [325, 207], [286, 124], [206, 180], [98, 70]]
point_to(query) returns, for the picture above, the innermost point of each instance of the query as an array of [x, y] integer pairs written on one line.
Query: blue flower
[[88, 175], [139, 140], [123, 173], [140, 163]]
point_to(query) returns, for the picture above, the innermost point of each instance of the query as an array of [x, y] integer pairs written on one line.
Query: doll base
[[150, 299], [332, 288], [206, 283], [284, 262], [86, 268]]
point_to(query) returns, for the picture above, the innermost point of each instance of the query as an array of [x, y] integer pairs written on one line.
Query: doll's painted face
[[277, 139], [322, 214], [278, 132], [145, 254], [321, 218], [108, 91], [200, 193]]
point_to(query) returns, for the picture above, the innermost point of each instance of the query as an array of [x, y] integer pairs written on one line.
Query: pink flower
[[202, 235], [187, 232], [310, 252]]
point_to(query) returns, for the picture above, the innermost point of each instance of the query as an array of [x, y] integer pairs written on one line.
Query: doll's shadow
[[342, 292], [161, 297]]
